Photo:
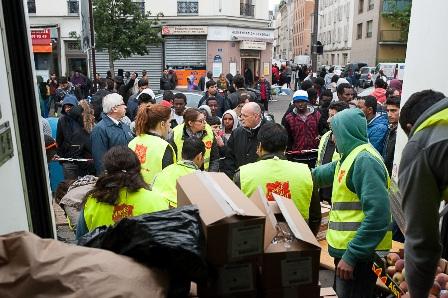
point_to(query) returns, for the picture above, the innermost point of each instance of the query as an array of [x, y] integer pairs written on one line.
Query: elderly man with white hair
[[242, 144], [110, 131]]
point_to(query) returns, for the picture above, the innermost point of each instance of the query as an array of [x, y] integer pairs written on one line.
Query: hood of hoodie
[[69, 100], [207, 109], [379, 94], [378, 120], [235, 119], [350, 130]]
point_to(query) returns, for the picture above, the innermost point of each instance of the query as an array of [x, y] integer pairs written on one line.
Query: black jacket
[[97, 103], [234, 98], [241, 148], [389, 148], [223, 106], [422, 179]]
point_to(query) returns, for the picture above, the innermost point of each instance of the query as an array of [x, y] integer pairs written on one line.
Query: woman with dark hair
[[120, 192], [195, 125], [152, 125]]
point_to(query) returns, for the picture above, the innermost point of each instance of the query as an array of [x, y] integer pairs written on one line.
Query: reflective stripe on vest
[[346, 214], [150, 151], [289, 179], [129, 204], [323, 147], [178, 133], [165, 181]]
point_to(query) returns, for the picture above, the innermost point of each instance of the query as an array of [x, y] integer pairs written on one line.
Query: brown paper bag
[[35, 267]]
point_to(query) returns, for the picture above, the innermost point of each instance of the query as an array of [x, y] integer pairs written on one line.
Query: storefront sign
[[217, 58], [266, 69], [41, 40], [232, 33], [252, 45], [217, 69], [184, 30]]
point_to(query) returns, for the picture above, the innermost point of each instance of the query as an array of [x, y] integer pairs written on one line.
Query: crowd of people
[[331, 146]]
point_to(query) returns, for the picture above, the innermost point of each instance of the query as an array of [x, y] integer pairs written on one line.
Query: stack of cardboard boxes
[[325, 210], [239, 234]]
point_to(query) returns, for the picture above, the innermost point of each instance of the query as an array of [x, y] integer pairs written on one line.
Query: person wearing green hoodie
[[360, 219]]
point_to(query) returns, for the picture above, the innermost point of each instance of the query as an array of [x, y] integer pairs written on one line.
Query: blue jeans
[[361, 286]]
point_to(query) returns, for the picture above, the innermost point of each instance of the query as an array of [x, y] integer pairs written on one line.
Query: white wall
[[51, 7], [422, 57]]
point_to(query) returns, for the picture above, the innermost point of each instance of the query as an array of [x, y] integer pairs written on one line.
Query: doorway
[[253, 73], [76, 64]]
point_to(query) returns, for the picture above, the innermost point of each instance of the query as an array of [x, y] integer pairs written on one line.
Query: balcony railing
[[390, 6], [73, 7], [247, 10], [187, 7], [392, 36]]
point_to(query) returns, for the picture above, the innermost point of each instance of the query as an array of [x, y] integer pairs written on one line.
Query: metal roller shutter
[[185, 50], [152, 63]]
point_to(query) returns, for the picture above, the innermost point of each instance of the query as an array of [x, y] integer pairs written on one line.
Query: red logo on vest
[[122, 211], [341, 175], [277, 187], [140, 150], [208, 144]]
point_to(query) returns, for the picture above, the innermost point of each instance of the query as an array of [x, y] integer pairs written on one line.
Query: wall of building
[[302, 26], [335, 29], [51, 8], [364, 49], [391, 53]]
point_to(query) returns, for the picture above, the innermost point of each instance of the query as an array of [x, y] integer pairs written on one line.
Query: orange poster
[[193, 74]]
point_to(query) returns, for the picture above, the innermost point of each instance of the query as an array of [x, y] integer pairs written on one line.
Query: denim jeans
[[361, 286]]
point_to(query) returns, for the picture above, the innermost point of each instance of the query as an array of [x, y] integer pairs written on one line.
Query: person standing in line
[[393, 114], [345, 92], [242, 144], [212, 91], [167, 99], [380, 90], [196, 125], [152, 125], [193, 152], [165, 83], [248, 76], [177, 114], [360, 219], [203, 81], [132, 104], [222, 83], [377, 126], [110, 131], [277, 175], [264, 87], [423, 184], [240, 89], [119, 193]]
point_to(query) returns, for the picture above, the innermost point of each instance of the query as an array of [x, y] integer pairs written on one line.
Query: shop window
[[187, 7], [73, 7], [369, 29], [31, 6]]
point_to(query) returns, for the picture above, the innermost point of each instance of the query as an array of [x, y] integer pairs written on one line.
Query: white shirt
[[114, 120]]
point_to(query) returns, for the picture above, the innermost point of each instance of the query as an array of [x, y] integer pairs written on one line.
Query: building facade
[[285, 37], [303, 16], [374, 38], [198, 35], [335, 29]]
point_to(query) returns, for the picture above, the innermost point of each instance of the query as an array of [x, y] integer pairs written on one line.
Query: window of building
[[360, 6], [369, 29], [359, 31], [141, 6], [247, 8], [73, 7], [371, 4], [31, 6], [187, 7]]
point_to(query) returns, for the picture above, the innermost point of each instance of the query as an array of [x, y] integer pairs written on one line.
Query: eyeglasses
[[201, 121], [121, 104]]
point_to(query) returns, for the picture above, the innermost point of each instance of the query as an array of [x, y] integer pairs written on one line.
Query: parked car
[[193, 98], [366, 74]]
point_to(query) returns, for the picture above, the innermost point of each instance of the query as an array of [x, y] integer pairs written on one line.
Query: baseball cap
[[300, 95]]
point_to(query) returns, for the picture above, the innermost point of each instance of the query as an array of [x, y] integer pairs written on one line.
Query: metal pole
[[314, 36], [92, 41]]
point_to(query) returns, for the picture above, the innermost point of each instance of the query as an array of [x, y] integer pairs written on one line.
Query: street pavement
[[278, 106]]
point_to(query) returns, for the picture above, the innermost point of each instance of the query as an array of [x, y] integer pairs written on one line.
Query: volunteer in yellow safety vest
[[195, 125], [277, 175], [360, 219], [193, 151], [423, 184], [120, 192], [152, 125], [327, 148]]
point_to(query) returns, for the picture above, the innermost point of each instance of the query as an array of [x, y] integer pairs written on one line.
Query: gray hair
[[110, 101]]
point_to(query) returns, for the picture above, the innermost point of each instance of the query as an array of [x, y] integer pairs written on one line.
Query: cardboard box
[[233, 225], [295, 292], [293, 266], [232, 280]]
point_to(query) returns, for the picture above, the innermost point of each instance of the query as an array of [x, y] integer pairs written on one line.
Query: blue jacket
[[105, 135], [377, 131]]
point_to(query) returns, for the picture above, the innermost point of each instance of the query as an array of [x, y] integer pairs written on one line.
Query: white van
[[390, 69]]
